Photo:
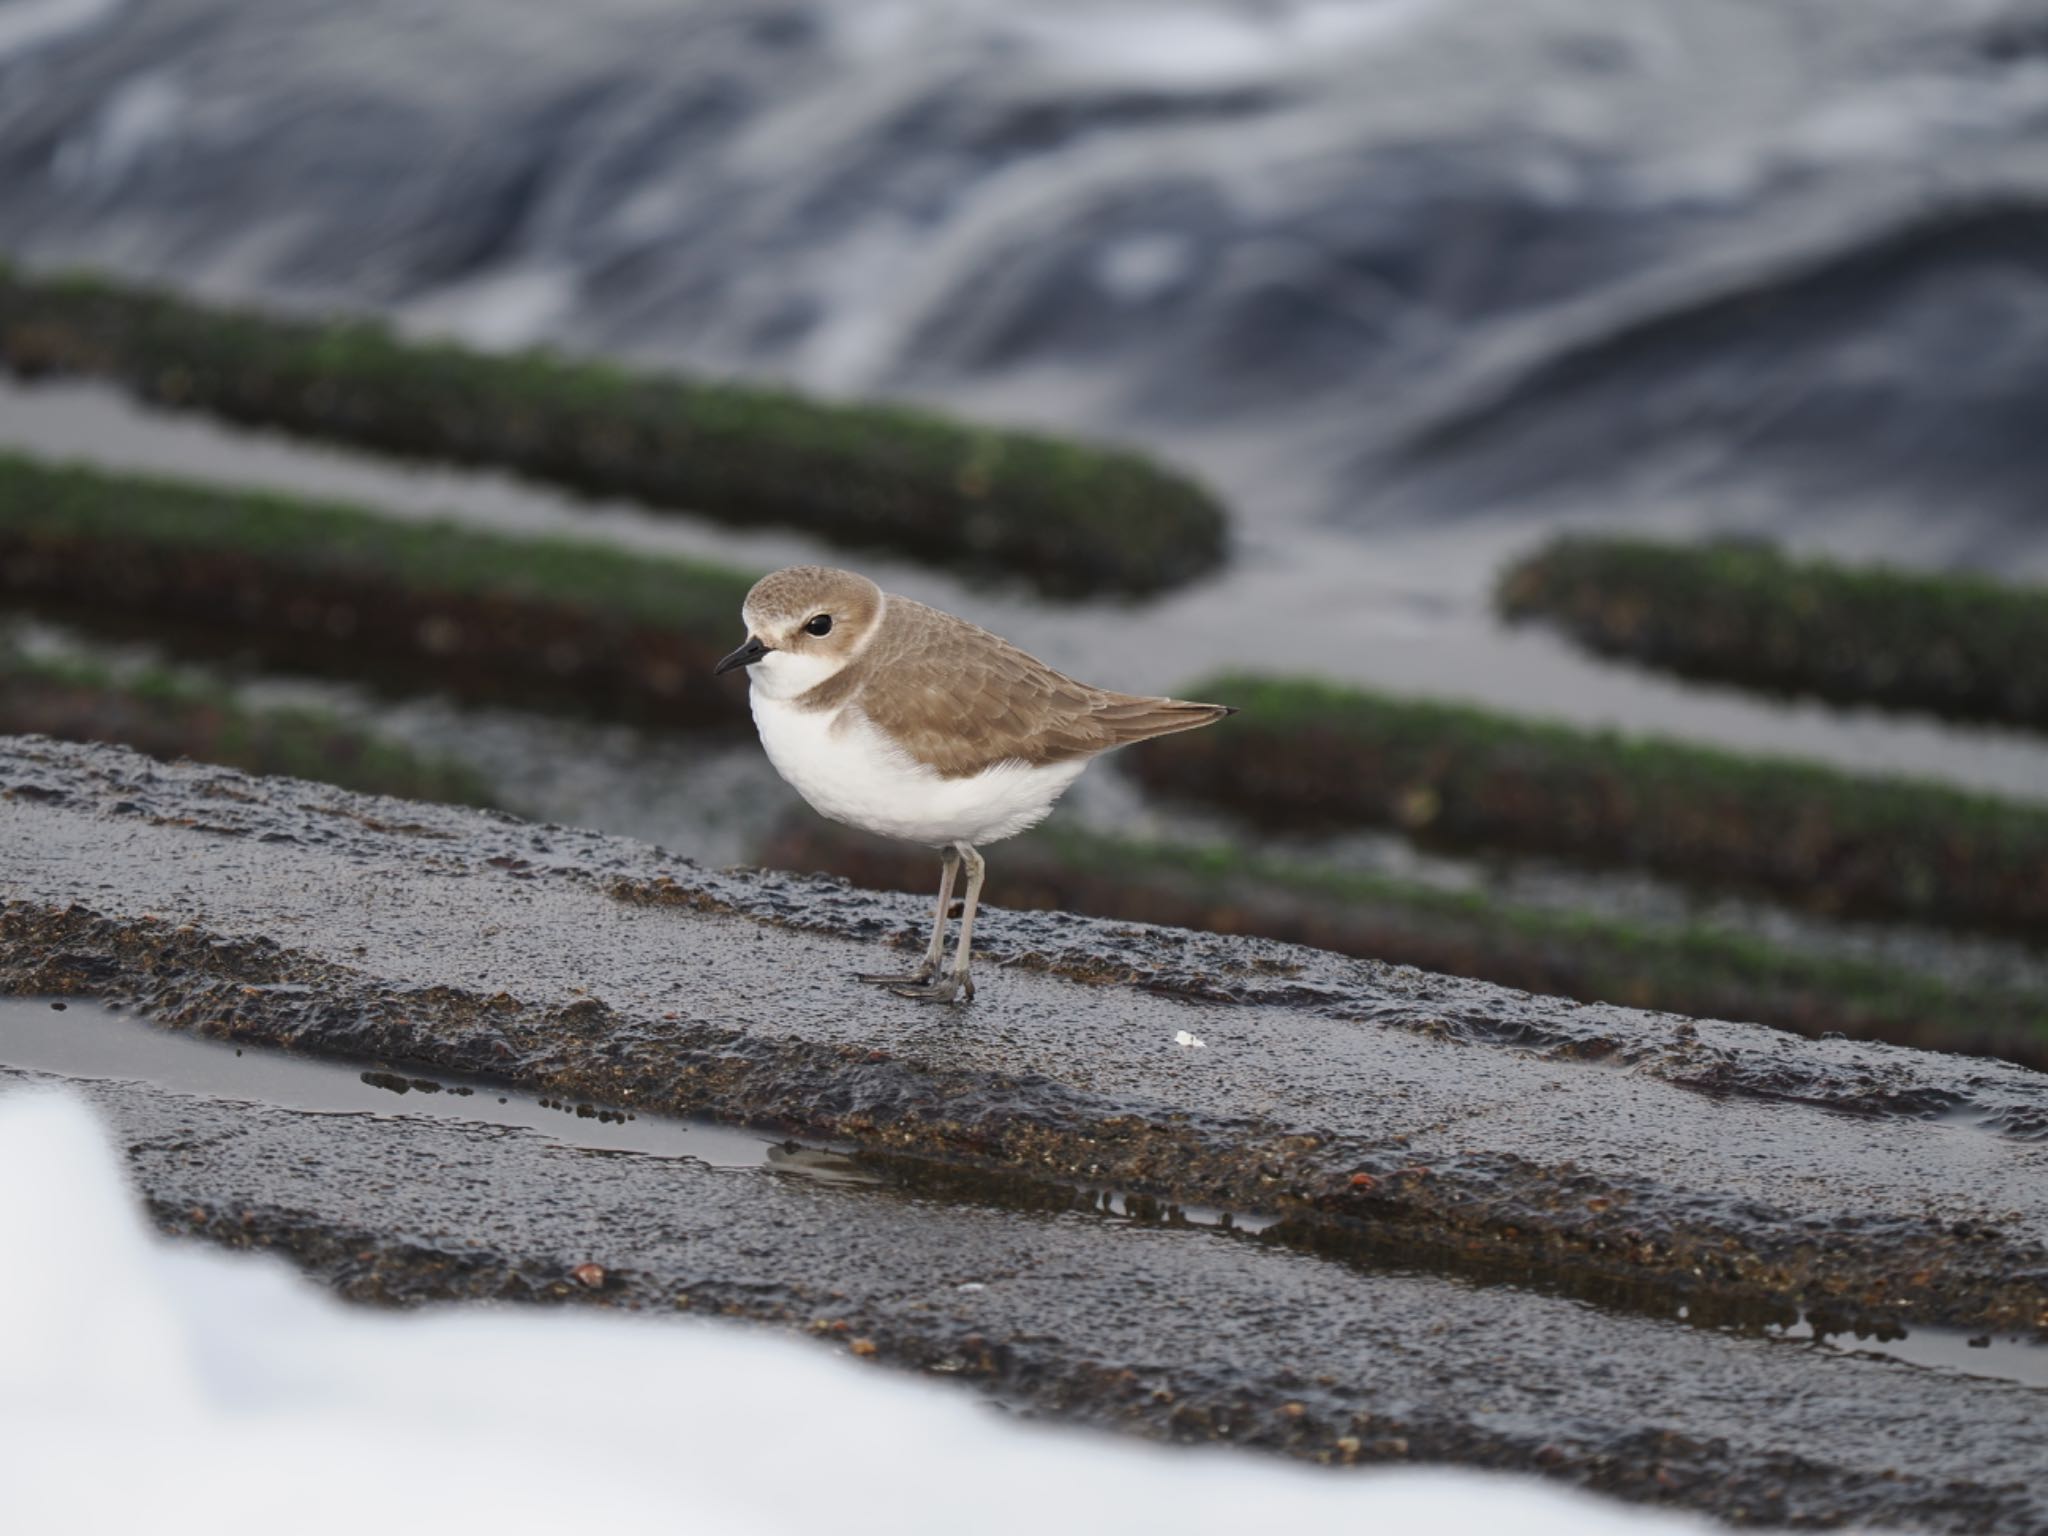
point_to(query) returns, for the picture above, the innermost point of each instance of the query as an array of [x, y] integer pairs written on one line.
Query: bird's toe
[[944, 990], [893, 978]]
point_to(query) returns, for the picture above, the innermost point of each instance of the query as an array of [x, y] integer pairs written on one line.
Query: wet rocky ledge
[[1468, 1223], [1363, 1104]]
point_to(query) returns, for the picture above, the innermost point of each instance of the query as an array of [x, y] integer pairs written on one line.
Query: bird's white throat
[[786, 674]]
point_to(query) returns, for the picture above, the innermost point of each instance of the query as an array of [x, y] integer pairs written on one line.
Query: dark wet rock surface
[[1573, 958], [1366, 1104], [1179, 1332], [1469, 1219]]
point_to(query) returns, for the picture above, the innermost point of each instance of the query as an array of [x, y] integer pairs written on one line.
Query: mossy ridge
[[1073, 518], [428, 556], [1697, 969], [1956, 645], [171, 716], [345, 591], [1690, 967], [1307, 753]]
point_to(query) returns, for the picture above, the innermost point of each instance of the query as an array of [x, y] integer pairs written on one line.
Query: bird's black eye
[[821, 625]]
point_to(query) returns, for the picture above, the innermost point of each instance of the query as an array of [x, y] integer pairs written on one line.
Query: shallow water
[[1995, 1357], [89, 1041], [86, 1041]]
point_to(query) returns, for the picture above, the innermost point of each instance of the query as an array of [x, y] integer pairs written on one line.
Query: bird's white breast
[[850, 771]]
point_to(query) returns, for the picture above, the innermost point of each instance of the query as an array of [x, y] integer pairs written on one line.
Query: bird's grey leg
[[945, 988], [949, 865], [977, 871]]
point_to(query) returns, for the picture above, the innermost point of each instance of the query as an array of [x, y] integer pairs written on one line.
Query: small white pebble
[[1194, 1041]]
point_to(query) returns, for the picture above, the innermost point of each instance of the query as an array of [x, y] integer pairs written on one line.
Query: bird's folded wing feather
[[959, 699]]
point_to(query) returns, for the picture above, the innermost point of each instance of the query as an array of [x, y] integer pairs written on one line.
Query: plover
[[899, 719]]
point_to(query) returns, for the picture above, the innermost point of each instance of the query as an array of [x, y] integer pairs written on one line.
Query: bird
[[903, 720]]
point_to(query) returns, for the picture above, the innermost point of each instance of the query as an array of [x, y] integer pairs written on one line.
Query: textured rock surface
[[1371, 1107], [1181, 1334], [1510, 1232]]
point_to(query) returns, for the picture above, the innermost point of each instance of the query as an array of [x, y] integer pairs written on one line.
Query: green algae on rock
[[1072, 518], [1956, 645], [170, 716], [1696, 968], [348, 592], [1310, 754]]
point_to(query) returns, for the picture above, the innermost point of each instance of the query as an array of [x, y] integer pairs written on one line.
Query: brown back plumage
[[959, 699]]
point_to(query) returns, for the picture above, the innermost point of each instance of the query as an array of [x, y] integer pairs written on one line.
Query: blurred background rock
[[1405, 288]]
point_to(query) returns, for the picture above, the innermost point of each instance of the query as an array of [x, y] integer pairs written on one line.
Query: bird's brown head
[[805, 623]]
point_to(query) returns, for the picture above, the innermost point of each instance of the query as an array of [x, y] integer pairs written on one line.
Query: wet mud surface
[[1141, 1320]]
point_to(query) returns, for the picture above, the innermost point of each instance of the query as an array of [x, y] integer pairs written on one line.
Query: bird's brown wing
[[959, 699]]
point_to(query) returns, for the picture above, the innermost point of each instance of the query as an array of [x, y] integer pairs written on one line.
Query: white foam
[[1174, 45], [135, 122], [30, 24], [499, 310], [146, 1386], [1140, 267]]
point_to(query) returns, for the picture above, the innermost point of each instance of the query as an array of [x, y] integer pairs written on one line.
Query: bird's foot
[[944, 990], [916, 978]]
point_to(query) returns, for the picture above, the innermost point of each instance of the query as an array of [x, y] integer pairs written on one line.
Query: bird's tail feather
[[1130, 717]]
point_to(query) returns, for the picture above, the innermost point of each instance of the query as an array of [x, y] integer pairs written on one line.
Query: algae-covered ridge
[[74, 502], [1307, 753], [1691, 965], [1072, 518], [1631, 963], [1954, 644], [173, 715], [341, 591]]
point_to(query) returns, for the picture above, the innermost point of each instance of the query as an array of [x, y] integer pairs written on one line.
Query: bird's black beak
[[745, 656]]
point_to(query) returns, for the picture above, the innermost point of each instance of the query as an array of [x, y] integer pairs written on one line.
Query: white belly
[[851, 772]]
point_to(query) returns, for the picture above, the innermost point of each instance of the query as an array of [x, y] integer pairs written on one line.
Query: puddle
[[88, 1041], [91, 1042], [972, 1186], [1996, 1357], [1120, 1206]]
